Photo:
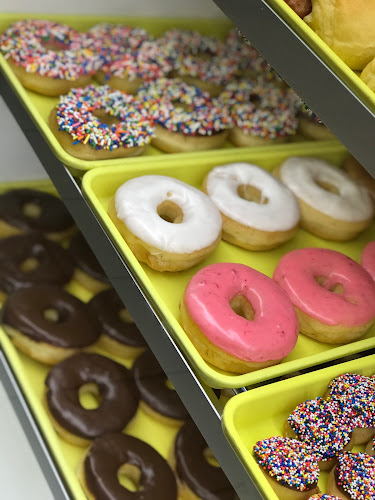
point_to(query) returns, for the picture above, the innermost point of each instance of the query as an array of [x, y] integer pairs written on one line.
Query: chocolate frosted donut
[[26, 210], [48, 323], [120, 335], [195, 472], [109, 381], [156, 398], [30, 259], [136, 459], [89, 273]]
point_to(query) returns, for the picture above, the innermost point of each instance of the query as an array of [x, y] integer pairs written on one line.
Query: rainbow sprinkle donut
[[48, 57], [185, 116], [99, 122], [192, 42], [354, 477], [106, 35]]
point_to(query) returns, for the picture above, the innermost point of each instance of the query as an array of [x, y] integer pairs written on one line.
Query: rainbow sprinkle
[[107, 34], [324, 497], [288, 461], [355, 475], [76, 115]]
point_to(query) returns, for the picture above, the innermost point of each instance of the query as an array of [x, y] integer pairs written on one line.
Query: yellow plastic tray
[[164, 290], [259, 414], [342, 70], [31, 375]]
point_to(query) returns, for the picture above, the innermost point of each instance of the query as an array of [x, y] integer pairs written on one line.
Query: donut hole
[[168, 384], [327, 186], [29, 265], [124, 316], [335, 288], [106, 118], [242, 307], [251, 193], [31, 210], [89, 396], [55, 45], [170, 212], [210, 458], [129, 476], [55, 314]]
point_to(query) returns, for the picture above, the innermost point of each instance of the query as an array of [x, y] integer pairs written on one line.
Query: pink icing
[[296, 273], [368, 258], [273, 332]]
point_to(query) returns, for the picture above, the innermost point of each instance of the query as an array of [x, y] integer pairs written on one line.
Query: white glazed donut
[[166, 223], [258, 211], [332, 205]]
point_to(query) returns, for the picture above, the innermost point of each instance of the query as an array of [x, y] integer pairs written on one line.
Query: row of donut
[[319, 435], [171, 226], [100, 122]]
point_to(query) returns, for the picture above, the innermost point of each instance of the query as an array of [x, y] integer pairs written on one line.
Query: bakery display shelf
[[334, 92], [201, 403]]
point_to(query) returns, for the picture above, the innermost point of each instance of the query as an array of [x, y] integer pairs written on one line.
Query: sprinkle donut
[[311, 276], [332, 206], [105, 35], [368, 258], [47, 57], [186, 118], [95, 123], [258, 211], [168, 224], [238, 319]]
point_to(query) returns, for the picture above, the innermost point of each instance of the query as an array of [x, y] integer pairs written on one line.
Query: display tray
[[164, 290], [250, 417], [341, 69], [31, 375]]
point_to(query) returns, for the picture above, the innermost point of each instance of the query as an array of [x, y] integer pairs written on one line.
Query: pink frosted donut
[[238, 319], [334, 296], [368, 258]]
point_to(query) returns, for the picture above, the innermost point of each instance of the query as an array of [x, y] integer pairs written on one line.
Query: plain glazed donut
[[196, 476], [117, 453], [157, 399], [110, 384], [48, 324], [119, 334], [332, 206], [368, 258], [290, 467], [258, 211], [238, 319], [29, 210], [310, 277], [167, 224]]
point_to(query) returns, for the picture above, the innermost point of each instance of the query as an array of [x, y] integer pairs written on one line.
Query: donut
[[158, 400], [29, 210], [311, 127], [359, 174], [290, 467], [48, 324], [118, 454], [368, 75], [166, 223], [334, 297], [30, 259], [238, 319], [301, 7], [356, 395], [332, 206], [353, 478], [368, 258], [98, 123], [47, 57], [108, 34], [370, 447], [186, 119], [109, 383], [258, 211], [323, 426], [324, 496], [198, 474], [88, 272], [119, 334]]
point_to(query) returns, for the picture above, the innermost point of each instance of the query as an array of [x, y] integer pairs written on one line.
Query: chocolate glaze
[[55, 265], [85, 259], [337, 481], [119, 396], [23, 310], [108, 453], [106, 306], [54, 216], [151, 382], [205, 480]]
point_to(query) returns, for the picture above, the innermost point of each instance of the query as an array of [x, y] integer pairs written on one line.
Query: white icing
[[280, 213], [136, 204], [301, 174]]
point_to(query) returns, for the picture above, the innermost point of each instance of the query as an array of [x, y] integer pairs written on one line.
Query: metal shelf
[[344, 113], [201, 403]]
